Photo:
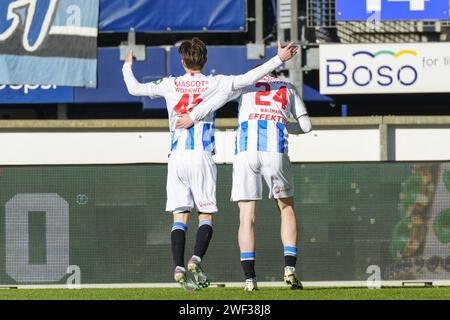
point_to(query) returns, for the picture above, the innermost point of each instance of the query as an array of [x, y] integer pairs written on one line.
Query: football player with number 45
[[261, 152], [191, 177]]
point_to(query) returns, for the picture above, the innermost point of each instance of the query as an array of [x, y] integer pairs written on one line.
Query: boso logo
[[26, 88], [382, 68]]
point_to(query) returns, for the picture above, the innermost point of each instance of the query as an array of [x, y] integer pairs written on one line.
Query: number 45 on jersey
[[182, 105]]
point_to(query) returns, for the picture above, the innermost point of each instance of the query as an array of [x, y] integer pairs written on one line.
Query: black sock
[[290, 256], [248, 264], [204, 235], [290, 261], [178, 239]]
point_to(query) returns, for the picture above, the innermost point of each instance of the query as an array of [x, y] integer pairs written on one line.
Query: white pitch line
[[306, 284]]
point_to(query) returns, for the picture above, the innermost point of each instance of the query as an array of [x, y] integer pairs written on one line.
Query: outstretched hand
[[287, 52], [129, 57], [184, 122]]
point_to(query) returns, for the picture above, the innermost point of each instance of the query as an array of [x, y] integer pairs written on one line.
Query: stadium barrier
[[72, 201], [27, 142], [108, 223]]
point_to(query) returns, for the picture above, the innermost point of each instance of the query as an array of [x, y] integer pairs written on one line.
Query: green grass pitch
[[435, 293]]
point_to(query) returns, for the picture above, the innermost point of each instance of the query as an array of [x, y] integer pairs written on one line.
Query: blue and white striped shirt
[[199, 137], [261, 135], [263, 113], [187, 93]]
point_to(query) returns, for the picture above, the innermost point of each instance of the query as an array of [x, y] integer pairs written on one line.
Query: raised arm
[[251, 77], [135, 88]]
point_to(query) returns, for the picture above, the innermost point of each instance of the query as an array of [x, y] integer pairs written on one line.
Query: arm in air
[[251, 77], [134, 87]]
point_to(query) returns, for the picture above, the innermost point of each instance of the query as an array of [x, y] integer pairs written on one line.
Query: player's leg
[[246, 238], [203, 185], [202, 240], [180, 203], [288, 230], [178, 242], [204, 234], [281, 185], [247, 188], [289, 240]]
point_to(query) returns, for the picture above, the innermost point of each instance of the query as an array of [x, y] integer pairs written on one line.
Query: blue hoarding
[[111, 87], [352, 10], [35, 94], [172, 15]]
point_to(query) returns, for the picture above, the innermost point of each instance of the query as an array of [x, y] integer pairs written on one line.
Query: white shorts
[[191, 182], [250, 166]]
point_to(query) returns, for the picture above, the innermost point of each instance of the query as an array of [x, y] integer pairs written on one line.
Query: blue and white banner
[[49, 42], [360, 10]]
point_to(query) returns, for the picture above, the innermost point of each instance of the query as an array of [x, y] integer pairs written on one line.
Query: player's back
[[191, 91], [263, 113], [181, 93]]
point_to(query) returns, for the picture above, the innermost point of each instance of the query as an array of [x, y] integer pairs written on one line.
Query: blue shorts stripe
[[262, 135], [190, 139], [248, 256], [281, 127], [243, 136]]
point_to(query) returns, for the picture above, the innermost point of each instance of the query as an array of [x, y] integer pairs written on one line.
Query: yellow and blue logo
[[386, 52]]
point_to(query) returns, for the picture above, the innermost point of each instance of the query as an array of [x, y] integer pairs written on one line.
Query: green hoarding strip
[[351, 216]]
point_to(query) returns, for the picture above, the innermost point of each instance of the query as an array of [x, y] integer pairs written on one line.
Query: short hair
[[193, 53]]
